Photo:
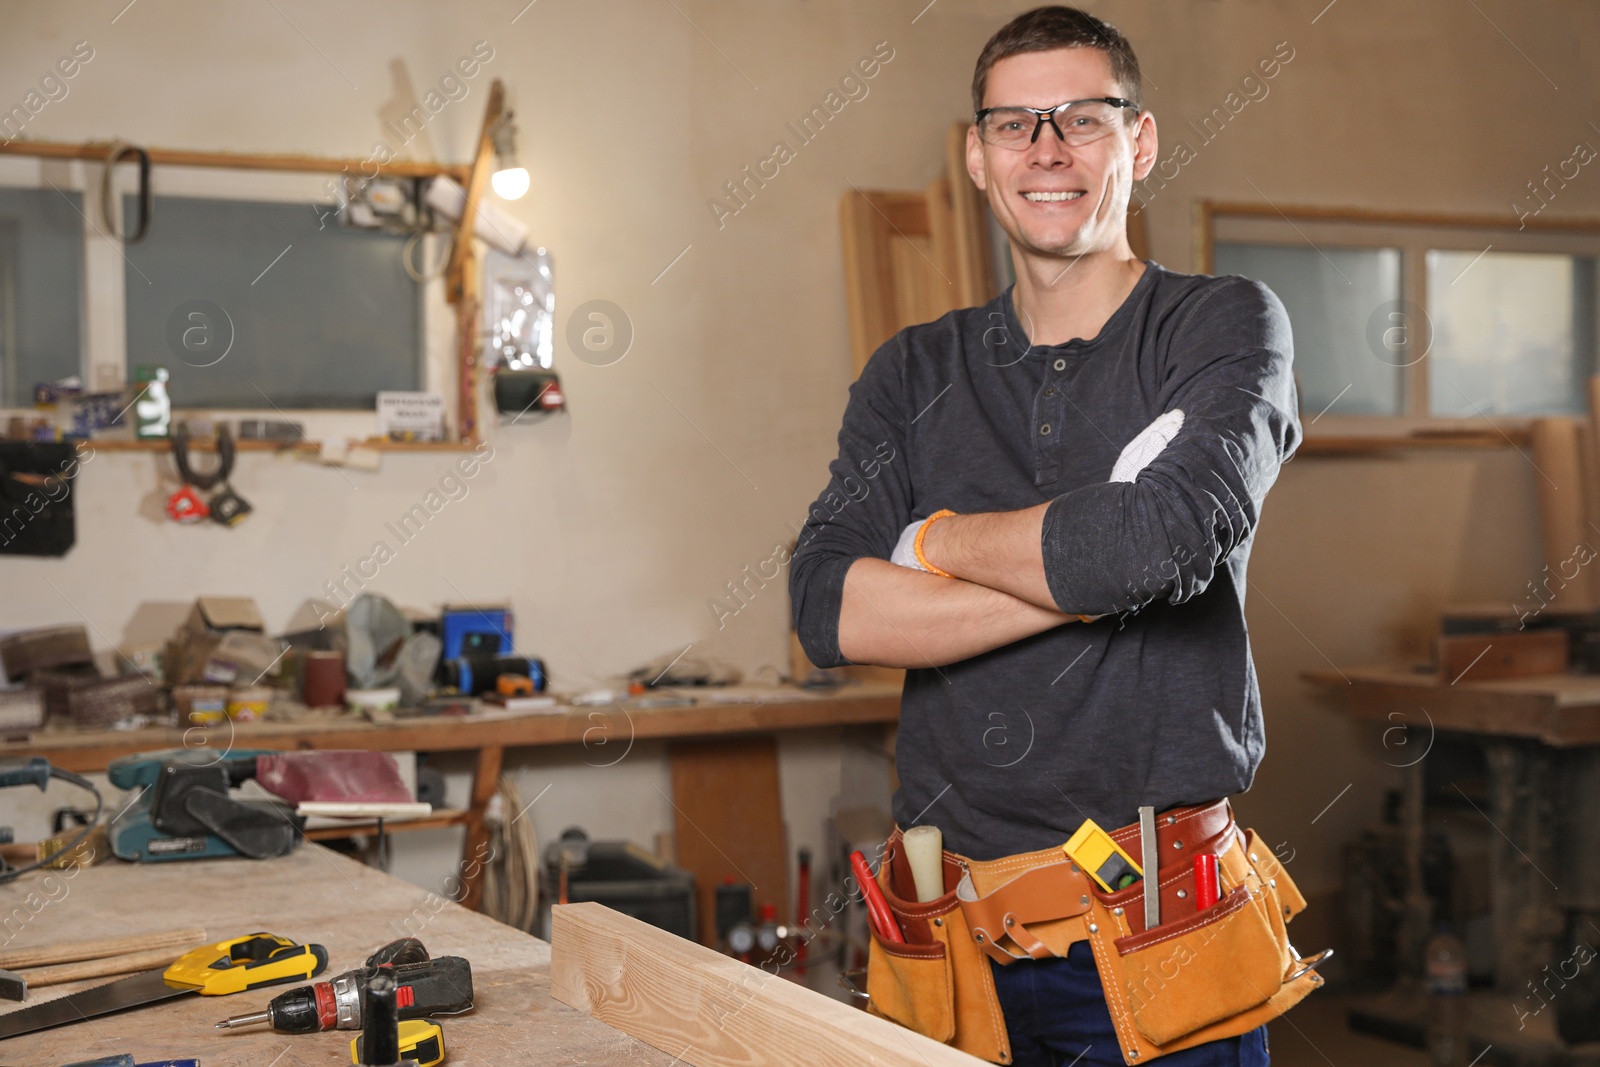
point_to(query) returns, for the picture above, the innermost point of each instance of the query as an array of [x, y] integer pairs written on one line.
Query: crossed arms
[[1097, 549], [898, 617]]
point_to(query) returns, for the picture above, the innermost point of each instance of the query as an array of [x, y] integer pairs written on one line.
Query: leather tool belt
[[1201, 975]]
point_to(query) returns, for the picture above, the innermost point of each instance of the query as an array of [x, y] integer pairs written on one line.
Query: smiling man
[[1058, 550]]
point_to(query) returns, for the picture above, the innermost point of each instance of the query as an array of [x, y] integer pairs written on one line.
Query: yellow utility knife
[[231, 966], [247, 962]]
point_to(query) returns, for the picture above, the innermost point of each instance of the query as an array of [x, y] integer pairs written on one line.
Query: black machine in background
[[620, 875]]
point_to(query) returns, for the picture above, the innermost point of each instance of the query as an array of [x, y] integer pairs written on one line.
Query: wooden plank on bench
[[710, 1010]]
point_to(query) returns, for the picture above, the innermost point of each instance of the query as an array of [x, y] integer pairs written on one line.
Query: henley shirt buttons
[[1050, 391], [1061, 364], [1044, 431]]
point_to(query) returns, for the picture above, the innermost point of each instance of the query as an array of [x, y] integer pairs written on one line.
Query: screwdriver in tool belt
[[437, 986]]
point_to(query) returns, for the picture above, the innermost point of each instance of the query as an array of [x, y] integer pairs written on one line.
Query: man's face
[[1098, 177]]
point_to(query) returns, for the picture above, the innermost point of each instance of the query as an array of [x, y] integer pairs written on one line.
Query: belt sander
[[187, 807]]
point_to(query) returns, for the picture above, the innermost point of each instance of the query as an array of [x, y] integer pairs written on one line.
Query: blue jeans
[[1056, 1016]]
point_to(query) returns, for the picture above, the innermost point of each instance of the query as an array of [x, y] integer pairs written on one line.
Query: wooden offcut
[[891, 266], [711, 1010], [911, 257], [102, 947], [109, 967], [1563, 514], [974, 267], [1485, 657]]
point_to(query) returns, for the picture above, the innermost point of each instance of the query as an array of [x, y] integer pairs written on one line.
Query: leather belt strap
[[1042, 894], [1179, 828], [1002, 897]]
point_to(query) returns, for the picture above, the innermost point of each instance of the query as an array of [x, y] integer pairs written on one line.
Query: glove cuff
[[922, 531]]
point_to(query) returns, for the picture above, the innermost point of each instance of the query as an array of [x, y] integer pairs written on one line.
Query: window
[[1324, 293], [1512, 331], [253, 304], [314, 342], [1417, 319], [41, 289]]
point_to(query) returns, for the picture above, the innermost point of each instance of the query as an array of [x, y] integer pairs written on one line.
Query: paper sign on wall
[[411, 416]]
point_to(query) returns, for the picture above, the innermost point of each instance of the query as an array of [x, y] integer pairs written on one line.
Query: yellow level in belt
[[420, 1040], [1097, 853]]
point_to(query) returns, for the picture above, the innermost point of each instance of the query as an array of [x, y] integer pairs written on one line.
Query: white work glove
[[1147, 446], [905, 550]]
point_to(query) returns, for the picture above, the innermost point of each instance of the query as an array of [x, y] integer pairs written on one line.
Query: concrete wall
[[611, 528]]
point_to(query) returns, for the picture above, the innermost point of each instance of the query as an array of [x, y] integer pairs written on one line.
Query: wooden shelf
[[767, 709], [441, 817], [1207, 209], [96, 152], [1362, 444], [206, 444]]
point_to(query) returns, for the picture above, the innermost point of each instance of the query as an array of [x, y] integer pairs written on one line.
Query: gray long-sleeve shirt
[[1156, 703]]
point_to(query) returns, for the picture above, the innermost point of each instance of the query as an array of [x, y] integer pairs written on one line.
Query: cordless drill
[[423, 987]]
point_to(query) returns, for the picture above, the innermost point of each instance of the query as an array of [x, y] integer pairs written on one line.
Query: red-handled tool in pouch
[[878, 912]]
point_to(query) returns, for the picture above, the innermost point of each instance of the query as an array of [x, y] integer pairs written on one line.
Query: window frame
[[1413, 234], [103, 364]]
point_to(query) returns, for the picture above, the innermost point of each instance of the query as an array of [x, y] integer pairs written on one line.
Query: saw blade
[[130, 992]]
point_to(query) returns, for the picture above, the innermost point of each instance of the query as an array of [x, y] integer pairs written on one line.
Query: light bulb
[[511, 183]]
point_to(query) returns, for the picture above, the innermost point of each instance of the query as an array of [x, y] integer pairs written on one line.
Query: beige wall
[[611, 528]]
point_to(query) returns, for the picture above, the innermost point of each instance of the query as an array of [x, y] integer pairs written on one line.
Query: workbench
[[1540, 737], [311, 895], [724, 723], [1559, 710]]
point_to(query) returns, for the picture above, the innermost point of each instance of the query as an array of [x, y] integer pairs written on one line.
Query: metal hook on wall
[[120, 151]]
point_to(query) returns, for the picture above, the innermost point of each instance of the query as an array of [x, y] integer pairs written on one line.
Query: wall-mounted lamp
[[510, 178]]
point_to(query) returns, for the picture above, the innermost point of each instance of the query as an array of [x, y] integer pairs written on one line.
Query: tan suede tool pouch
[[938, 983], [1202, 974], [1199, 976]]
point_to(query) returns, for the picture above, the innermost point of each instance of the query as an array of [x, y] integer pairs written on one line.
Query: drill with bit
[[423, 986]]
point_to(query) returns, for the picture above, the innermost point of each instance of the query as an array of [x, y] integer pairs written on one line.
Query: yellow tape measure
[[420, 1040]]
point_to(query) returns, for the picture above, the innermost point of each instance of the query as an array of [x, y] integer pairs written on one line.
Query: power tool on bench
[[185, 809], [424, 986]]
